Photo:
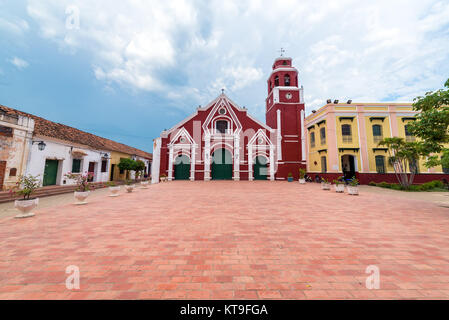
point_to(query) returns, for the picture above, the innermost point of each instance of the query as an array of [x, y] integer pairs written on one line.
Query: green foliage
[[435, 185], [324, 180], [290, 175], [302, 173], [129, 182], [111, 184], [82, 180], [372, 183], [354, 182], [26, 185], [339, 181], [432, 124]]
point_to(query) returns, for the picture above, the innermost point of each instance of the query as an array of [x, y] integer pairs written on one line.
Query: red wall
[[366, 178]]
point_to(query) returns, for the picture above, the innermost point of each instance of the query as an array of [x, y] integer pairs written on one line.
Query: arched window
[[346, 133], [377, 133], [221, 126], [323, 164], [287, 80], [380, 164], [323, 135], [276, 81], [312, 139]]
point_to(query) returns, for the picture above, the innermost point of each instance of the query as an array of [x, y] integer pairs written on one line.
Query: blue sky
[[126, 70]]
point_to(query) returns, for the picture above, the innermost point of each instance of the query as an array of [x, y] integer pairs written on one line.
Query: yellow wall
[[372, 145], [115, 159]]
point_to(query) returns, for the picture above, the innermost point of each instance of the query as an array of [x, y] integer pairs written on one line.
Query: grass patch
[[433, 186]]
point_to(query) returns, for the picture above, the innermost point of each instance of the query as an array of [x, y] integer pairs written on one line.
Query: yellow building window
[[377, 133], [408, 136], [346, 133], [323, 135], [312, 139]]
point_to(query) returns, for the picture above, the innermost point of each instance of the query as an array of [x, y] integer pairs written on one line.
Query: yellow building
[[342, 139]]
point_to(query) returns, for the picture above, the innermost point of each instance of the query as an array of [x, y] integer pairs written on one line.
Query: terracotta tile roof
[[47, 128]]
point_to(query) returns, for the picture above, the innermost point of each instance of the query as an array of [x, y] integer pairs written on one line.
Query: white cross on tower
[[282, 51]]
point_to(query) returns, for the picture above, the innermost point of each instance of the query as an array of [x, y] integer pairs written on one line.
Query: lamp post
[[40, 145]]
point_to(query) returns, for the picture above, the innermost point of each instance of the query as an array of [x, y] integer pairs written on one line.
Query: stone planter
[[114, 191], [25, 207], [340, 188], [81, 197], [144, 184], [290, 179], [302, 181], [129, 188], [325, 186], [353, 190]]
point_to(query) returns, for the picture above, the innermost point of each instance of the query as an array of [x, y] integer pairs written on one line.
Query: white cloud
[[14, 25], [188, 51], [19, 63]]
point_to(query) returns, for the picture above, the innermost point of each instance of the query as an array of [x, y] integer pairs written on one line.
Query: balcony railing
[[378, 139], [347, 139]]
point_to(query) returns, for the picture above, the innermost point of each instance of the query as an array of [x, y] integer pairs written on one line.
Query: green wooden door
[[221, 165], [50, 172], [260, 168], [182, 168]]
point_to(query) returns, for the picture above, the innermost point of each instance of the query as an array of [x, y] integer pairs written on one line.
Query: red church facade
[[222, 141]]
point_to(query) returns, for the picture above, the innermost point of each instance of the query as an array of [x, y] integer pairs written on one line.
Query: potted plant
[[290, 177], [353, 188], [325, 184], [302, 176], [84, 186], [163, 178], [113, 189], [339, 185], [129, 185], [25, 186]]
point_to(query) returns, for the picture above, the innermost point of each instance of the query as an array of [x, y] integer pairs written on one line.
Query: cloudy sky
[[126, 70]]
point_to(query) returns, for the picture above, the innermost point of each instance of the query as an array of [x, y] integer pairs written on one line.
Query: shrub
[[383, 184], [302, 173], [372, 183], [26, 185]]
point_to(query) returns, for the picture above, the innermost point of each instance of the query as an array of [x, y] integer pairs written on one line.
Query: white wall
[[62, 152]]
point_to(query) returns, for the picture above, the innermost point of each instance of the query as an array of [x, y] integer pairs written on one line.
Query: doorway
[[348, 166], [221, 165], [260, 168], [50, 172], [182, 168]]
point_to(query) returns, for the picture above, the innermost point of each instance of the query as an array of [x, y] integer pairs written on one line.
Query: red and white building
[[222, 141]]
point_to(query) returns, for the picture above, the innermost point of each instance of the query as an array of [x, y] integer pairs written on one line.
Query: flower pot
[[325, 186], [129, 188], [25, 207], [339, 188], [163, 179], [302, 181], [353, 190], [144, 184], [114, 191], [81, 197]]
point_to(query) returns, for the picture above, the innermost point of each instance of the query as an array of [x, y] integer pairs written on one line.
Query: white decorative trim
[[279, 136], [303, 138]]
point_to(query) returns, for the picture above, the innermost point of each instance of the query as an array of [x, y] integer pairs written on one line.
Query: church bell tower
[[285, 113]]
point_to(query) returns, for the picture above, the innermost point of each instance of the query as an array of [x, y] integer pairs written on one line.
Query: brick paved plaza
[[229, 240]]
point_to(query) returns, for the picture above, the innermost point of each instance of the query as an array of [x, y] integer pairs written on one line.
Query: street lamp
[[40, 145]]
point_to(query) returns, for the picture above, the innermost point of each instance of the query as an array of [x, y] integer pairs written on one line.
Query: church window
[[222, 111], [221, 126], [287, 80], [276, 81]]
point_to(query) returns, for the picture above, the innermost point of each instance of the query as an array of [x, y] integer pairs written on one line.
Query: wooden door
[[50, 172]]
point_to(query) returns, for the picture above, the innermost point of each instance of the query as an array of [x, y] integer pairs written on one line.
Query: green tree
[[139, 166], [403, 155], [431, 125], [127, 165]]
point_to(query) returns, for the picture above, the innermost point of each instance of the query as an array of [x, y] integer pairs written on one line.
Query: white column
[[303, 137], [155, 166], [237, 158], [271, 163], [250, 163], [170, 164], [207, 158], [192, 162], [279, 136]]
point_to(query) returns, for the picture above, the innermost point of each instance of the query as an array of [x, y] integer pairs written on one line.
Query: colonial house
[[222, 141], [343, 138], [16, 132], [55, 149]]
